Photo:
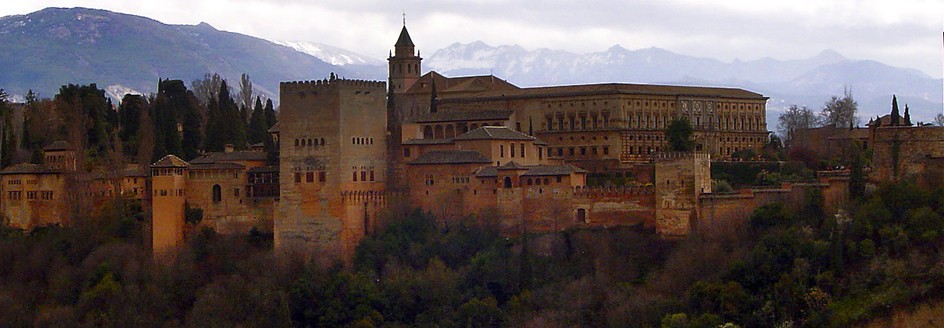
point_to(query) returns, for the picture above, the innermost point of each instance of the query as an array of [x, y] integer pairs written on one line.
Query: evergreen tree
[[7, 138], [433, 99], [896, 117], [679, 135], [129, 122], [270, 115], [164, 115], [907, 116], [88, 106], [257, 124], [229, 127]]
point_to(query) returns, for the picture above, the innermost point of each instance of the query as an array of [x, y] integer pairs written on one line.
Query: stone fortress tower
[[168, 183], [332, 165]]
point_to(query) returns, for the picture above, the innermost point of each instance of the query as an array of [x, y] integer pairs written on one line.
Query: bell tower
[[404, 62]]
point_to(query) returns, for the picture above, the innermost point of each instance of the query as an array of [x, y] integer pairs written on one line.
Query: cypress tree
[[896, 117], [270, 116], [907, 116], [257, 124]]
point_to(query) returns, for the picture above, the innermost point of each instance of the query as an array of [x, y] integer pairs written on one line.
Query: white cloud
[[903, 33]]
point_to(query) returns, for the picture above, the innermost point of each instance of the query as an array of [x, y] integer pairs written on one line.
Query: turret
[[405, 63], [167, 218]]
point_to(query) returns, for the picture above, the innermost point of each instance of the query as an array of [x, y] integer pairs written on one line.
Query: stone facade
[[332, 148]]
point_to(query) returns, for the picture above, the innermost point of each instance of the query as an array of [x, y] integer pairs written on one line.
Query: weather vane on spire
[[404, 18]]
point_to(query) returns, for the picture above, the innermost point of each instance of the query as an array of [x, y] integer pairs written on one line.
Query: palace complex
[[457, 147]]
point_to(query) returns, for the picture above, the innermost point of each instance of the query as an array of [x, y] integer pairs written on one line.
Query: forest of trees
[[141, 129], [786, 267]]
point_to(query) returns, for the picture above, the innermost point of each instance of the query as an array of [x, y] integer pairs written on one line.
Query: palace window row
[[309, 142], [309, 176], [571, 122], [362, 141]]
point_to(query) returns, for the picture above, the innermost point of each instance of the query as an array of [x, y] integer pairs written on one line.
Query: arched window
[[217, 194], [427, 132], [581, 215], [507, 182], [438, 132]]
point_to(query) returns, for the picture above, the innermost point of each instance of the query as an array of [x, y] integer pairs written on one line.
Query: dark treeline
[[141, 129], [789, 268]]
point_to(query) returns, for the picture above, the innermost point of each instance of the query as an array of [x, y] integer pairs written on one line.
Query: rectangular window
[[372, 175], [593, 150], [321, 177], [354, 176], [571, 151], [310, 177], [583, 151], [363, 175], [298, 177], [236, 192], [606, 150], [30, 195], [501, 150], [522, 150], [512, 150], [406, 151]]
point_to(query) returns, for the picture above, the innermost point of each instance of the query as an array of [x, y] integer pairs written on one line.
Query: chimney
[[228, 148]]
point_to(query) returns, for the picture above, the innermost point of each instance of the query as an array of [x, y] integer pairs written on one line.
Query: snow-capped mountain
[[808, 82], [117, 92], [331, 55]]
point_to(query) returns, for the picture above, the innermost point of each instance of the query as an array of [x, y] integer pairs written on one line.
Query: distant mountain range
[[126, 53], [55, 46], [808, 82]]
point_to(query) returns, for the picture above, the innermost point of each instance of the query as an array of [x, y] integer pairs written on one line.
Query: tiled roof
[[428, 141], [58, 145], [264, 169], [215, 166], [533, 170], [455, 115], [450, 157], [494, 133], [487, 172], [512, 166], [274, 128], [242, 155], [26, 168], [170, 161], [609, 88], [404, 39], [542, 170], [455, 85]]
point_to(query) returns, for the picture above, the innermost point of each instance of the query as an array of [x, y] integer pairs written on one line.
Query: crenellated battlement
[[675, 155], [368, 196], [329, 84], [613, 191]]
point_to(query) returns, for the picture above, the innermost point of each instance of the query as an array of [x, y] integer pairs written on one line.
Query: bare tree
[[207, 88], [939, 119], [245, 92], [840, 112], [794, 119]]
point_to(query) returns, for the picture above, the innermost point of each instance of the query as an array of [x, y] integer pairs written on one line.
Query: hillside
[[55, 46]]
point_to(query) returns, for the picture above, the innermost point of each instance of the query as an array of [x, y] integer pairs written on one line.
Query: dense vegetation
[[799, 267], [142, 129]]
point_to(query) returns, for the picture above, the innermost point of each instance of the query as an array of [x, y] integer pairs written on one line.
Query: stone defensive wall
[[721, 211], [315, 85], [616, 206], [375, 197]]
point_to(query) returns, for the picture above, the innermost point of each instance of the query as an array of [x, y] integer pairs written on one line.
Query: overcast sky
[[904, 33]]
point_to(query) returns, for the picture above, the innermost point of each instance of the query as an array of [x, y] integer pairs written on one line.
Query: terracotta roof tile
[[450, 157], [170, 161], [453, 116], [494, 133]]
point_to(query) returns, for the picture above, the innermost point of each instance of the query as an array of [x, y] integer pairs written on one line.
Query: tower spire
[[404, 18]]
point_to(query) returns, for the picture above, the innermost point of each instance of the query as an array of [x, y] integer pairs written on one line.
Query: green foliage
[[679, 135], [225, 124], [192, 215]]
